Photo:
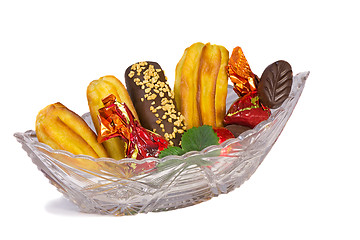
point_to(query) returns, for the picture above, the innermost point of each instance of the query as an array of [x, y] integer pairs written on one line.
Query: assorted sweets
[[149, 119], [256, 96]]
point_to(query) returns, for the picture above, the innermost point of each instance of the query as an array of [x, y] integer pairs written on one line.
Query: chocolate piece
[[275, 84], [154, 101], [237, 129]]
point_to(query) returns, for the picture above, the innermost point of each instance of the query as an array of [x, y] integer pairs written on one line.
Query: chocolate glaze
[[275, 84], [145, 106]]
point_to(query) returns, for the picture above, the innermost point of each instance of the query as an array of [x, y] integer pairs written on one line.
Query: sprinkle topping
[[153, 87]]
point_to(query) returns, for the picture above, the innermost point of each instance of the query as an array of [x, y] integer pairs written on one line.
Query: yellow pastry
[[62, 129], [96, 91]]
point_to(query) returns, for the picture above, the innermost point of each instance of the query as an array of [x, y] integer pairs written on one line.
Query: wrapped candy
[[116, 120], [247, 111], [240, 74], [223, 134]]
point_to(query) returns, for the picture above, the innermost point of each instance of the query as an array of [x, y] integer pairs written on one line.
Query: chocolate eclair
[[154, 100]]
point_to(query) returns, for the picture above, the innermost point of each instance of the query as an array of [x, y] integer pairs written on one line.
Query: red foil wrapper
[[116, 120], [240, 74], [223, 134], [247, 111]]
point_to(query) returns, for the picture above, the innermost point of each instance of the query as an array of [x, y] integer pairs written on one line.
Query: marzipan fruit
[[201, 84], [62, 129], [96, 91]]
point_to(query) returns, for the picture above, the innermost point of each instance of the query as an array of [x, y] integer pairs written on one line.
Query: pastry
[[96, 91], [62, 129], [186, 85], [154, 101], [201, 84]]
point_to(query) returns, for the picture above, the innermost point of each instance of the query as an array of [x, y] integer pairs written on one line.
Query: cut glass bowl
[[108, 186]]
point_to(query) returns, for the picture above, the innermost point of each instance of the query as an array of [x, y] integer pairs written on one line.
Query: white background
[[308, 185]]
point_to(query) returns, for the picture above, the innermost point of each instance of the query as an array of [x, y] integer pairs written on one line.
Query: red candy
[[247, 111], [223, 134], [116, 120]]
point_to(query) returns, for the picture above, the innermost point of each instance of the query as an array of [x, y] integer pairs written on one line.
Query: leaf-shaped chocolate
[[275, 84]]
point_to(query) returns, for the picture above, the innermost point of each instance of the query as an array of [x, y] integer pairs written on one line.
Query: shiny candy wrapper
[[247, 111], [240, 74], [116, 120]]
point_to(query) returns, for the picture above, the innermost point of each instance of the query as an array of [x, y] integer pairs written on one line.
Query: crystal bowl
[[108, 186]]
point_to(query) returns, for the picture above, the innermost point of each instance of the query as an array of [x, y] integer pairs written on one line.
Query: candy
[[275, 84], [223, 134], [247, 111], [240, 73], [236, 130], [116, 120]]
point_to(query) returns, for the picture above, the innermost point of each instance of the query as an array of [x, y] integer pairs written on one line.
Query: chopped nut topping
[[152, 96], [131, 74]]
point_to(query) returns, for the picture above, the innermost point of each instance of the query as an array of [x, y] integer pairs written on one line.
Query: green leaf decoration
[[171, 151], [196, 139]]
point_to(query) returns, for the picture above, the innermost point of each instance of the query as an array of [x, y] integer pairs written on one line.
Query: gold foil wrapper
[[240, 74], [111, 121]]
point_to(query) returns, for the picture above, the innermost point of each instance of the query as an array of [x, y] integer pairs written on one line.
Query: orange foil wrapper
[[116, 120], [240, 74]]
